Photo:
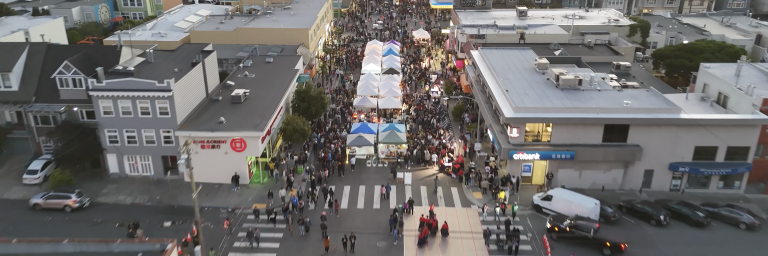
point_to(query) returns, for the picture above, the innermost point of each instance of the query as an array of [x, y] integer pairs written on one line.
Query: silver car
[[66, 200]]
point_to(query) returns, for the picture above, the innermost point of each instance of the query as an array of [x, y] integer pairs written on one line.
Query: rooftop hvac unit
[[555, 74], [621, 66], [541, 63], [239, 95], [571, 80]]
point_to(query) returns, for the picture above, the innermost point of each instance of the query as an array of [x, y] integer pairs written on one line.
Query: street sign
[[478, 146]]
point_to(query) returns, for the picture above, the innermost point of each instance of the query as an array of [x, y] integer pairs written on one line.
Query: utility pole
[[186, 160]]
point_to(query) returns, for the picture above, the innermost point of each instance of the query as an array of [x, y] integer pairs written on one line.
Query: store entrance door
[[533, 172]]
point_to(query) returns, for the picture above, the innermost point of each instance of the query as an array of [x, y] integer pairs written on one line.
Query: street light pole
[[186, 159]]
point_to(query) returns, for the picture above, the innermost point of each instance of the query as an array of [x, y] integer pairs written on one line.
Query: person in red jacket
[[422, 222]]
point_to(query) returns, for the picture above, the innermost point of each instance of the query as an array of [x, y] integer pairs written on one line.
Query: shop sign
[[238, 144], [542, 155], [210, 144], [711, 168], [269, 130], [513, 132]]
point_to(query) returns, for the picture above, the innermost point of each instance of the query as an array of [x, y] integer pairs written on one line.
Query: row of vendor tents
[[365, 134]]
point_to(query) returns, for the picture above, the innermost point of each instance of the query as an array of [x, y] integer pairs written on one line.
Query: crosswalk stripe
[[264, 217], [440, 198], [263, 235], [408, 192], [493, 227], [251, 254], [262, 225], [345, 198], [456, 198], [424, 200], [522, 247], [261, 245], [325, 205], [377, 197], [393, 194], [361, 197], [493, 237]]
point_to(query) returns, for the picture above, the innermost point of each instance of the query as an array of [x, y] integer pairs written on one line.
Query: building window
[[45, 120], [615, 133], [698, 2], [107, 109], [89, 16], [736, 154], [5, 81], [126, 109], [113, 137], [131, 138], [705, 88], [732, 181], [616, 2], [758, 151], [168, 139], [70, 82], [736, 4], [133, 3], [671, 2], [163, 108], [653, 45], [66, 19], [704, 153], [149, 137], [538, 132], [87, 114], [145, 109], [158, 13], [650, 2], [698, 181], [722, 100], [573, 2], [137, 15], [159, 2]]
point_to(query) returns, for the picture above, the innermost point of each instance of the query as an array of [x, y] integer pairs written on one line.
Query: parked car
[[732, 215], [66, 200], [38, 171], [572, 228], [608, 212], [685, 211], [645, 210], [566, 202]]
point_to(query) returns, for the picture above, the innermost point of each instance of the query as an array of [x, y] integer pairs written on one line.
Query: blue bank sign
[[542, 155], [711, 168]]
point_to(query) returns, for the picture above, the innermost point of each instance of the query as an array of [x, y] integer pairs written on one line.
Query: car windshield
[[31, 172], [79, 194], [607, 209]]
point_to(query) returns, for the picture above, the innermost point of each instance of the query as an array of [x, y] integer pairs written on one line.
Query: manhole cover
[[381, 243]]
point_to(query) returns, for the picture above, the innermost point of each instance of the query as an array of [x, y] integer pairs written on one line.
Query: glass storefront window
[[538, 132], [698, 181], [730, 181]]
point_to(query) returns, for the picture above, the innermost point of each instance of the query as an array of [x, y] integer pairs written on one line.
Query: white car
[[39, 170]]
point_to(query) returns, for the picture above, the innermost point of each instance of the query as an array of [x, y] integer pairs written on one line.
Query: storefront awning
[[711, 168], [464, 83], [438, 4]]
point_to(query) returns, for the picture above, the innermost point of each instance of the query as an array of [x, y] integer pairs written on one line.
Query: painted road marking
[[345, 198], [262, 225], [251, 254], [456, 198], [264, 217], [261, 245], [325, 205], [361, 197], [393, 202], [493, 227], [408, 192], [440, 198], [377, 197], [424, 201], [264, 235], [502, 237]]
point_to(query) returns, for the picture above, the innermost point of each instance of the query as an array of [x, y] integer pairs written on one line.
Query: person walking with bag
[[327, 243]]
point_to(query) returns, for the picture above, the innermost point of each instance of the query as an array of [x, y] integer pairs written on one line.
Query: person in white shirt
[[352, 162], [434, 159]]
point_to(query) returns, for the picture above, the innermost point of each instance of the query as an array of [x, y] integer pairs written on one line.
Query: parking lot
[[675, 239]]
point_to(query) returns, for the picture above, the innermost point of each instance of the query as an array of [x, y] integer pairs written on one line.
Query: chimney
[[43, 37], [257, 49], [151, 55], [100, 74]]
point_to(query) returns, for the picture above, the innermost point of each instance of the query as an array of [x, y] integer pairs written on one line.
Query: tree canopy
[[309, 102], [77, 145], [295, 129], [681, 59], [6, 10]]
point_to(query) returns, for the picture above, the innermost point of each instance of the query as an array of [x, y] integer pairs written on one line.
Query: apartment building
[[140, 9]]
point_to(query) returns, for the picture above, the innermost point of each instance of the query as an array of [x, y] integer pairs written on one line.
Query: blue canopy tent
[[393, 42], [390, 52], [364, 128], [391, 127]]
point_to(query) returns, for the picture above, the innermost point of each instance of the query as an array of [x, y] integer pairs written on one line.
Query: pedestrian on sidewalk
[[331, 194], [395, 234], [324, 229], [392, 222], [410, 205], [401, 225], [352, 240], [326, 243], [336, 207], [301, 207], [487, 236], [235, 182], [256, 213], [275, 172], [270, 195], [352, 162], [282, 194], [389, 189], [301, 223], [344, 243], [485, 211], [325, 193]]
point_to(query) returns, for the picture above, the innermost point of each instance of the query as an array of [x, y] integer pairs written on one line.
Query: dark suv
[[583, 230], [66, 200]]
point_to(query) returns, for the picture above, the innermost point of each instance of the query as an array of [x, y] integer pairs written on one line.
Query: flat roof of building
[[301, 14], [544, 50], [527, 90], [741, 21], [28, 5], [673, 26], [11, 24], [268, 84], [751, 73], [241, 51], [174, 24], [168, 64], [543, 16], [637, 74], [714, 27], [692, 105], [73, 4]]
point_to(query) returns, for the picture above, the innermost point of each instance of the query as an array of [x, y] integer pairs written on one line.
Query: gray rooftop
[[28, 5], [31, 72], [302, 14], [268, 86], [239, 51], [543, 16], [165, 63], [174, 24], [527, 90], [11, 54], [11, 24], [751, 73], [70, 5], [638, 74], [543, 50], [672, 26]]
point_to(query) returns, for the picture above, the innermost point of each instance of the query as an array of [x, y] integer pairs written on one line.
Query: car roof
[[650, 204], [37, 164], [45, 157], [65, 191]]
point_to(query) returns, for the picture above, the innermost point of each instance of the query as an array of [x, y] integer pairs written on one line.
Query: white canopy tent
[[391, 58], [373, 52], [370, 78], [375, 42], [390, 64], [371, 60], [367, 83], [371, 68], [383, 86], [391, 78], [367, 91], [391, 46], [373, 47], [421, 34], [390, 103], [364, 102], [392, 92]]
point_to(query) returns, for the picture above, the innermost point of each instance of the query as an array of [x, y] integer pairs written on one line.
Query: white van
[[566, 202]]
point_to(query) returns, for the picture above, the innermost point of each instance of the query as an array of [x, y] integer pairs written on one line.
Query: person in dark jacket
[[250, 235]]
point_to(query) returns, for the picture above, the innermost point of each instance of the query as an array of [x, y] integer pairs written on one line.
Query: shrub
[[62, 178]]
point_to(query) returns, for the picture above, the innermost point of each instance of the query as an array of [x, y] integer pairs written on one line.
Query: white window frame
[[82, 113], [149, 136], [128, 104], [86, 15], [168, 132], [671, 2], [131, 132], [132, 3], [106, 106], [112, 132], [54, 120], [135, 15], [163, 103], [650, 2], [70, 82], [5, 81], [653, 45], [159, 2], [732, 4], [144, 104]]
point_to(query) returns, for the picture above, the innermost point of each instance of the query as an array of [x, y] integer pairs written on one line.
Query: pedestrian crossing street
[[525, 246], [370, 198], [270, 237]]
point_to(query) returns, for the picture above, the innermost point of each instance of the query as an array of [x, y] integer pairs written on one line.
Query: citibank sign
[[542, 155]]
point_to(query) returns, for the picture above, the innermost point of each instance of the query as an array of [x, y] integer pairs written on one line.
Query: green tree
[[448, 87], [86, 29], [73, 36], [458, 110], [641, 26], [678, 61], [295, 129], [61, 178], [36, 12], [309, 102], [6, 10], [77, 145]]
